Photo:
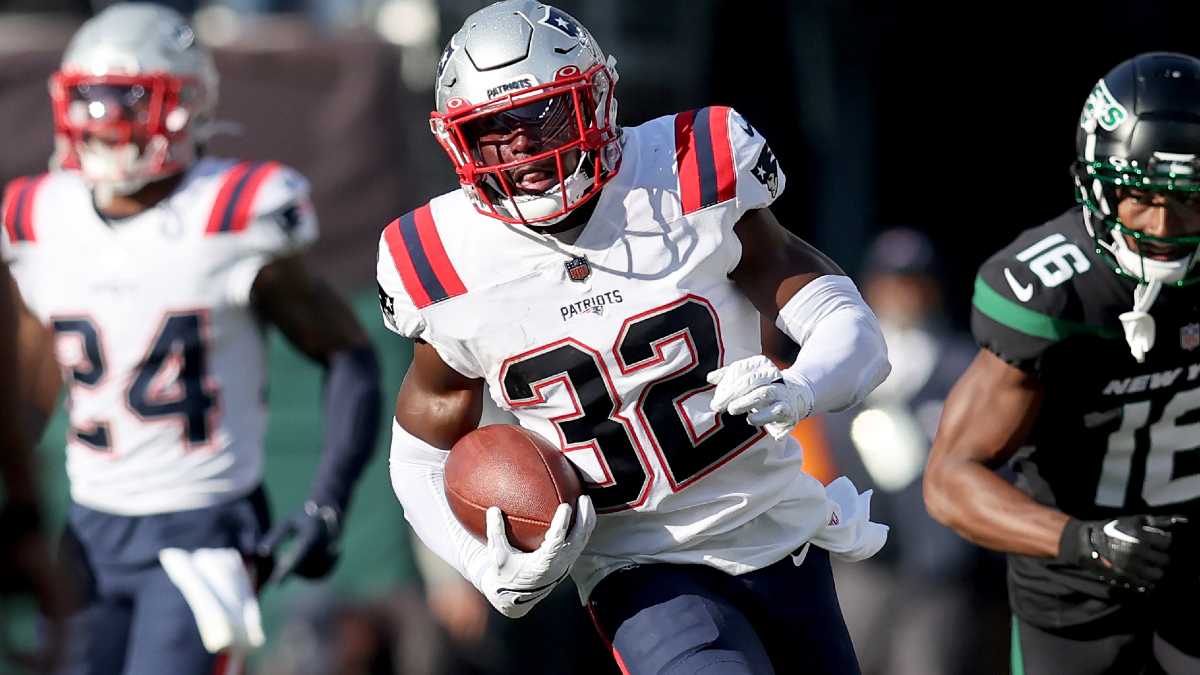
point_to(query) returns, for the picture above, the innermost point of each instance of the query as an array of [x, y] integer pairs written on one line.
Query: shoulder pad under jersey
[[720, 157], [17, 209], [1031, 294], [267, 205], [413, 271]]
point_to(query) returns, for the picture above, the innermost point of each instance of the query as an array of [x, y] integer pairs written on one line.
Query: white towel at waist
[[216, 585], [849, 535]]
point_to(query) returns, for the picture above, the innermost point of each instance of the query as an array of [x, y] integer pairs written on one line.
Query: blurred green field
[[376, 550]]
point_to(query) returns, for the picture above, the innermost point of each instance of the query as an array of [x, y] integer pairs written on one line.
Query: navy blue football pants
[[692, 619], [133, 619], [139, 625]]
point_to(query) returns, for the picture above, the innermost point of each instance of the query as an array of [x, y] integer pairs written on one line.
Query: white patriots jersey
[[603, 346], [164, 358]]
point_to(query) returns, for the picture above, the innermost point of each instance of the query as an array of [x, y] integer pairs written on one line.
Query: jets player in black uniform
[[1088, 381]]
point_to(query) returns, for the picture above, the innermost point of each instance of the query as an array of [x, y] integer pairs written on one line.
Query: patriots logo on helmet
[[182, 36], [445, 59], [767, 171], [561, 22]]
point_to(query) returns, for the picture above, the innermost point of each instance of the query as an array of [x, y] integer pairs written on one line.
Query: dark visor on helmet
[[108, 103], [549, 122]]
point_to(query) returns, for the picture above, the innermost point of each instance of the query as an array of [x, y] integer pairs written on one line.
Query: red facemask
[[535, 155], [151, 111]]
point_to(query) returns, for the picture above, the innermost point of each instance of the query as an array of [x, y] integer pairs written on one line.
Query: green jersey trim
[[1024, 320]]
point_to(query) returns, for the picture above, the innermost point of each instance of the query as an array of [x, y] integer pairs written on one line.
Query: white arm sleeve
[[843, 356], [417, 479]]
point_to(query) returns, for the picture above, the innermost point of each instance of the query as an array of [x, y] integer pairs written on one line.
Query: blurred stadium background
[[957, 121]]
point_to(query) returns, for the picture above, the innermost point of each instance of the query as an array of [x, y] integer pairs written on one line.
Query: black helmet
[[1140, 129]]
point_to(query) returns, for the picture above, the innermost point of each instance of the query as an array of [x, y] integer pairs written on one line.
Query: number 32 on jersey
[[589, 377]]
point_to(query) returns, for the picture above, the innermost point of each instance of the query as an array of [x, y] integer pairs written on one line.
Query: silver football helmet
[[134, 96], [521, 73]]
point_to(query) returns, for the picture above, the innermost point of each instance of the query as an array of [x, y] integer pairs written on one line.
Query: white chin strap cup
[[120, 170], [533, 207]]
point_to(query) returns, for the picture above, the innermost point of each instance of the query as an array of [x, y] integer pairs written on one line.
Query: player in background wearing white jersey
[[607, 284], [158, 270]]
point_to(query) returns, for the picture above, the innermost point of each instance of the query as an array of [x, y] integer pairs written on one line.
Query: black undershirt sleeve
[[351, 413]]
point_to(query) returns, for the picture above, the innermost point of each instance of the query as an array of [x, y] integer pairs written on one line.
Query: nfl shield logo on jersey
[[578, 268], [1189, 336]]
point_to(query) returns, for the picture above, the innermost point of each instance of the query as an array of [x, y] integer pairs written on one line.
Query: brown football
[[516, 469]]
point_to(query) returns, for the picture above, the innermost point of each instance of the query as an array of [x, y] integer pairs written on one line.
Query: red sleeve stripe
[[607, 642], [685, 160], [18, 207], [707, 173], [232, 178], [12, 196], [231, 210], [421, 259]]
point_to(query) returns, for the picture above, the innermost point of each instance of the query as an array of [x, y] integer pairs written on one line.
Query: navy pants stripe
[[692, 619]]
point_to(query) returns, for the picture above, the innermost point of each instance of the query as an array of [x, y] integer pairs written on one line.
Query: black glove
[[314, 534], [1127, 552]]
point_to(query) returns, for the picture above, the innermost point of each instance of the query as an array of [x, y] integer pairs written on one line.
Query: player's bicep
[[775, 263], [437, 404], [306, 309], [987, 415]]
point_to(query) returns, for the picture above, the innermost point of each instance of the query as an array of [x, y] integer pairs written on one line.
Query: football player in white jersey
[[607, 284], [157, 270]]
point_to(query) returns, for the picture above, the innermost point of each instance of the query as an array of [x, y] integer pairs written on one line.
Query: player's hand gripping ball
[[515, 469]]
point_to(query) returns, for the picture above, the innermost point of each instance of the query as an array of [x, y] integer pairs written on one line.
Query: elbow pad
[[417, 471], [843, 356]]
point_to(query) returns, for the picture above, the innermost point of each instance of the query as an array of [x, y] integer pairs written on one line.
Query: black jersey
[[1113, 436]]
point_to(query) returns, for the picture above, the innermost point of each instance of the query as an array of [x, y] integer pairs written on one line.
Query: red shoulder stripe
[[408, 275], [421, 260], [244, 201], [707, 173], [685, 160], [11, 195], [18, 207], [231, 209], [723, 153], [221, 206], [436, 252]]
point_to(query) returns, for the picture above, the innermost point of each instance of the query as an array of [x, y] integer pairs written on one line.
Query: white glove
[[516, 580], [756, 386]]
